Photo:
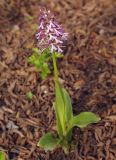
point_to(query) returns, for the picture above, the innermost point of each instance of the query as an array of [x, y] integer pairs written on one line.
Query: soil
[[87, 71]]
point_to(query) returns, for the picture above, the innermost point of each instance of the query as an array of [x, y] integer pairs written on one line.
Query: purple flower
[[50, 34]]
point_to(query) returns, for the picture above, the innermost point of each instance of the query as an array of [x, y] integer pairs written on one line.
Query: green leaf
[[83, 119], [35, 50], [29, 95], [48, 142], [59, 109], [58, 55], [40, 61], [29, 17], [2, 155], [35, 27], [45, 71], [63, 108], [68, 106], [68, 112]]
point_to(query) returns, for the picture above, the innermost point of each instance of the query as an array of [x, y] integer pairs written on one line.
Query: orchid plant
[[50, 38]]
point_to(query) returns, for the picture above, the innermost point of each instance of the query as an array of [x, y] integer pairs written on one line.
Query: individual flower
[[50, 33]]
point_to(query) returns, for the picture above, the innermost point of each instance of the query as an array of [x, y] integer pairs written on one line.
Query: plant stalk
[[55, 67]]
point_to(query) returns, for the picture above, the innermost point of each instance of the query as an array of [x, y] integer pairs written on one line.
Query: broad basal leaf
[[48, 142], [83, 119], [68, 112], [68, 106], [63, 108], [2, 155], [60, 109]]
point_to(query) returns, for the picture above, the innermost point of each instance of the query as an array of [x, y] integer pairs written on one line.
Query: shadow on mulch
[[88, 72]]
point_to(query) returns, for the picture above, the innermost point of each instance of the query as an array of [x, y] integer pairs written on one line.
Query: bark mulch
[[88, 71]]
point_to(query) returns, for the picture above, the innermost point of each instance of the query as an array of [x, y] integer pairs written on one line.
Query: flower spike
[[50, 34]]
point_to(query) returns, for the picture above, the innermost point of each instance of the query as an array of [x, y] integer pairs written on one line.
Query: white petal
[[49, 29], [51, 24], [60, 50], [52, 37], [41, 26], [53, 48], [58, 41], [57, 32]]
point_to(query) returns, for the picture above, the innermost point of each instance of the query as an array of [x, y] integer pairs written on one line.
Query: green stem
[[55, 67], [58, 90]]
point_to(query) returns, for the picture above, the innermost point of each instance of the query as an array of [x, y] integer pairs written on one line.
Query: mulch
[[87, 71]]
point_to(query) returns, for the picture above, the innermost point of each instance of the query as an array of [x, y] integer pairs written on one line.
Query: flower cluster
[[50, 34]]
